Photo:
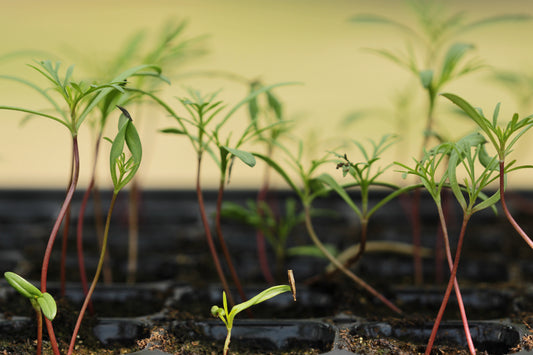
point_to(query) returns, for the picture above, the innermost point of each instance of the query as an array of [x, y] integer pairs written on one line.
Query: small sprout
[[41, 302], [228, 316]]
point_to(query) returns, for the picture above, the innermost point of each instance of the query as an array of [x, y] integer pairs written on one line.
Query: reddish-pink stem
[[458, 295], [208, 235], [260, 239], [52, 336], [453, 274], [510, 218], [61, 215], [222, 242], [79, 230], [64, 244], [39, 331]]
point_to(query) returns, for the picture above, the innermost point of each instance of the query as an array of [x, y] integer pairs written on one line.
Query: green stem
[[226, 343], [339, 265], [96, 276]]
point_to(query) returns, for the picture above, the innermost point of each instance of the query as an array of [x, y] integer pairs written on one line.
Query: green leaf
[[48, 305], [21, 285], [451, 60], [172, 131], [330, 181], [246, 157], [104, 92], [261, 297]]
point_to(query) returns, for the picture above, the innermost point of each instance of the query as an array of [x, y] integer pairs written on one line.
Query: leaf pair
[[123, 169], [40, 301]]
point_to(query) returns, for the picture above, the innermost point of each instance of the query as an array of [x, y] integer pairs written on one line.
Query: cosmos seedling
[[227, 316], [42, 303]]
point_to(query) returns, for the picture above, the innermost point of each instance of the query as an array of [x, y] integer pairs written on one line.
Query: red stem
[[506, 210], [438, 320], [260, 239], [223, 245], [81, 217], [39, 331], [62, 213], [64, 244], [208, 235], [52, 336], [458, 295], [66, 224]]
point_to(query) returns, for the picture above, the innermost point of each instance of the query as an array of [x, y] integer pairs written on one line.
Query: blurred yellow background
[[306, 41]]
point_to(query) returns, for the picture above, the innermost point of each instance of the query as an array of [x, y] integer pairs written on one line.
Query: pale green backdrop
[[306, 41]]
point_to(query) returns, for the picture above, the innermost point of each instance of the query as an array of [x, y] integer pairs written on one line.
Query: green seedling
[[227, 316], [42, 303], [275, 227], [269, 112], [77, 100], [435, 57], [124, 161], [502, 140], [312, 188], [203, 129], [465, 156], [365, 175], [169, 48]]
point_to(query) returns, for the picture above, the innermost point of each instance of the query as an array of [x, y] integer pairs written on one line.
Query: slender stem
[[259, 235], [362, 245], [133, 230], [61, 215], [458, 295], [226, 343], [339, 265], [96, 276], [64, 244], [79, 229], [227, 256], [453, 274], [416, 224], [208, 235], [39, 316], [52, 336], [510, 218]]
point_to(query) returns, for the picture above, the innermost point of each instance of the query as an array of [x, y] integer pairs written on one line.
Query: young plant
[[502, 140], [123, 168], [203, 111], [227, 316], [312, 188], [427, 170], [443, 60], [42, 303], [275, 227], [365, 176], [463, 155], [80, 98], [270, 110]]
